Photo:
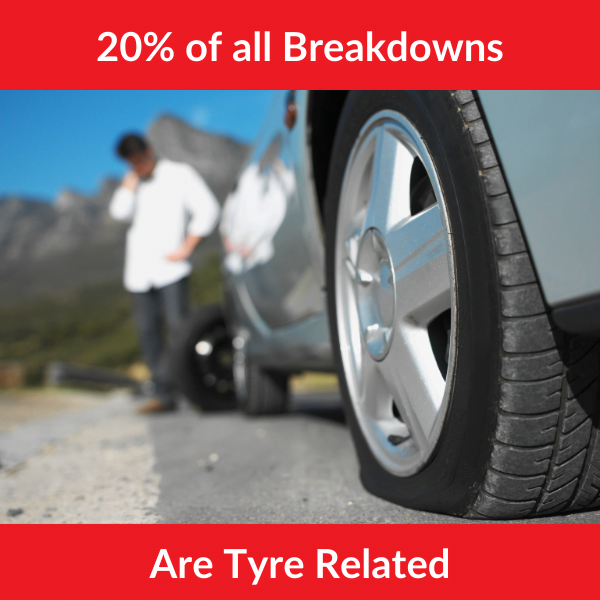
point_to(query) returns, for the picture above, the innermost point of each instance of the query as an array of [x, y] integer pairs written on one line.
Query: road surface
[[97, 461]]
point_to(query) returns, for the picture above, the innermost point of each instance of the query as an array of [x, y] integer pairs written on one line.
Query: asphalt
[[104, 463], [294, 468]]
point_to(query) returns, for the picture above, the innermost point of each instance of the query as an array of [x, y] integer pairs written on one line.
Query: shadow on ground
[[324, 406]]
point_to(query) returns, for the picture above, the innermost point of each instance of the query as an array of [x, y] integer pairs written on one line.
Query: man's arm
[[122, 204], [185, 250]]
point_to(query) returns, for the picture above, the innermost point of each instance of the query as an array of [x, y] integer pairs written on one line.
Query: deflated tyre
[[461, 395]]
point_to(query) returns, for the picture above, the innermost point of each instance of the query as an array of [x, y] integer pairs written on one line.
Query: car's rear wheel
[[259, 391], [201, 360], [267, 392], [461, 396]]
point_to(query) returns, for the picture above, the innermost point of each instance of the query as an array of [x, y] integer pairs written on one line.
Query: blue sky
[[51, 140]]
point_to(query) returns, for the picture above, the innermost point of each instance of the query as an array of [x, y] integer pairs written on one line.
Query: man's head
[[138, 153]]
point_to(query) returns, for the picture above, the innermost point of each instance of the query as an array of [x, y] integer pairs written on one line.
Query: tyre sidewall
[[451, 479]]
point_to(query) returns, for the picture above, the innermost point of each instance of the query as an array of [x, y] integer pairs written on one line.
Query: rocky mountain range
[[53, 247]]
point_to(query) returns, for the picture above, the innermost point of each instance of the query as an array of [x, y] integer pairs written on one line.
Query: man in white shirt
[[171, 209]]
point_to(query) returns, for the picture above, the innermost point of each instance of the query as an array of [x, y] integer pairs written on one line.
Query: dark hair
[[130, 145]]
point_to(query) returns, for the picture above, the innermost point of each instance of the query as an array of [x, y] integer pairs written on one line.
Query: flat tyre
[[462, 397]]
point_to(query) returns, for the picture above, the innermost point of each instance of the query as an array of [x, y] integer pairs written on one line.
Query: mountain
[[53, 247], [216, 157]]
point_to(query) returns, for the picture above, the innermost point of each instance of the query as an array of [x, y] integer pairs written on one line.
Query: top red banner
[[308, 44]]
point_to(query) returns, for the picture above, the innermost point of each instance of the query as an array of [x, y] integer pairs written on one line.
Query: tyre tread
[[267, 392], [546, 450]]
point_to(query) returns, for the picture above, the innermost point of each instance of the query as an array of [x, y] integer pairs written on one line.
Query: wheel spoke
[[389, 202], [412, 376], [369, 384], [394, 278], [377, 401], [420, 256]]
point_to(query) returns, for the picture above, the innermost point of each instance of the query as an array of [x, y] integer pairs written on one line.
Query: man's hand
[[180, 254], [241, 248], [130, 181], [185, 250]]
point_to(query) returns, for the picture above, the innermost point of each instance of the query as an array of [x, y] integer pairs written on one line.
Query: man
[[171, 209]]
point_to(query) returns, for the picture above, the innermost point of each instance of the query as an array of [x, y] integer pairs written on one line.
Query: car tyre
[[201, 360], [266, 392], [518, 432]]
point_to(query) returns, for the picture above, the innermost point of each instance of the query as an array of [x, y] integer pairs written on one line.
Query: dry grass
[[312, 381]]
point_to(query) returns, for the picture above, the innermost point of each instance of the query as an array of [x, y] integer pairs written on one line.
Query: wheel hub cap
[[376, 295]]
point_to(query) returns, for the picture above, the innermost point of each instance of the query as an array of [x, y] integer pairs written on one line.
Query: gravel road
[[100, 462]]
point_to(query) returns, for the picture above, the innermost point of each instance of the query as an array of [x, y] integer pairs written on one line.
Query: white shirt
[[174, 202], [253, 214]]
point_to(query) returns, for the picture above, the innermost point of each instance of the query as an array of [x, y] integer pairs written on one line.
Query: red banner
[[334, 44], [296, 561]]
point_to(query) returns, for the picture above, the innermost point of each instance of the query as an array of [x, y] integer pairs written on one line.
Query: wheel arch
[[323, 114]]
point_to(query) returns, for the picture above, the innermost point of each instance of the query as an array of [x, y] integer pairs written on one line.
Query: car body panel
[[274, 260], [549, 147]]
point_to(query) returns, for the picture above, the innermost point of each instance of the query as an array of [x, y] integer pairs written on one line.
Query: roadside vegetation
[[89, 325]]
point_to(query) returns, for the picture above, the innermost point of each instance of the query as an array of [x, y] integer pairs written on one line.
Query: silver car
[[440, 251]]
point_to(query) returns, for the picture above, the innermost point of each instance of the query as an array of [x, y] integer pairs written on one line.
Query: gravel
[[103, 472]]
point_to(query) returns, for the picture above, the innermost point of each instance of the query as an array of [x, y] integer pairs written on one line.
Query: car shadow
[[325, 405]]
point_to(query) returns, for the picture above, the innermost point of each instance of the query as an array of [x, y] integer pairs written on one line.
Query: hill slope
[[46, 248]]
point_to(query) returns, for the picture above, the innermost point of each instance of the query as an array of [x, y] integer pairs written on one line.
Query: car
[[439, 251]]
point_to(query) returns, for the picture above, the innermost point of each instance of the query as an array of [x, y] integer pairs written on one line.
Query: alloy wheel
[[395, 292]]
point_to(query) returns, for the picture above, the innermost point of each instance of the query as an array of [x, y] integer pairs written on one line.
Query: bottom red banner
[[157, 561]]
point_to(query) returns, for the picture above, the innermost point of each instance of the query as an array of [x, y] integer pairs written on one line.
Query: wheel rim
[[212, 355], [395, 293]]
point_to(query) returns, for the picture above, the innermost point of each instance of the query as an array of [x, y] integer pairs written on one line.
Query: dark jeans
[[157, 314]]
